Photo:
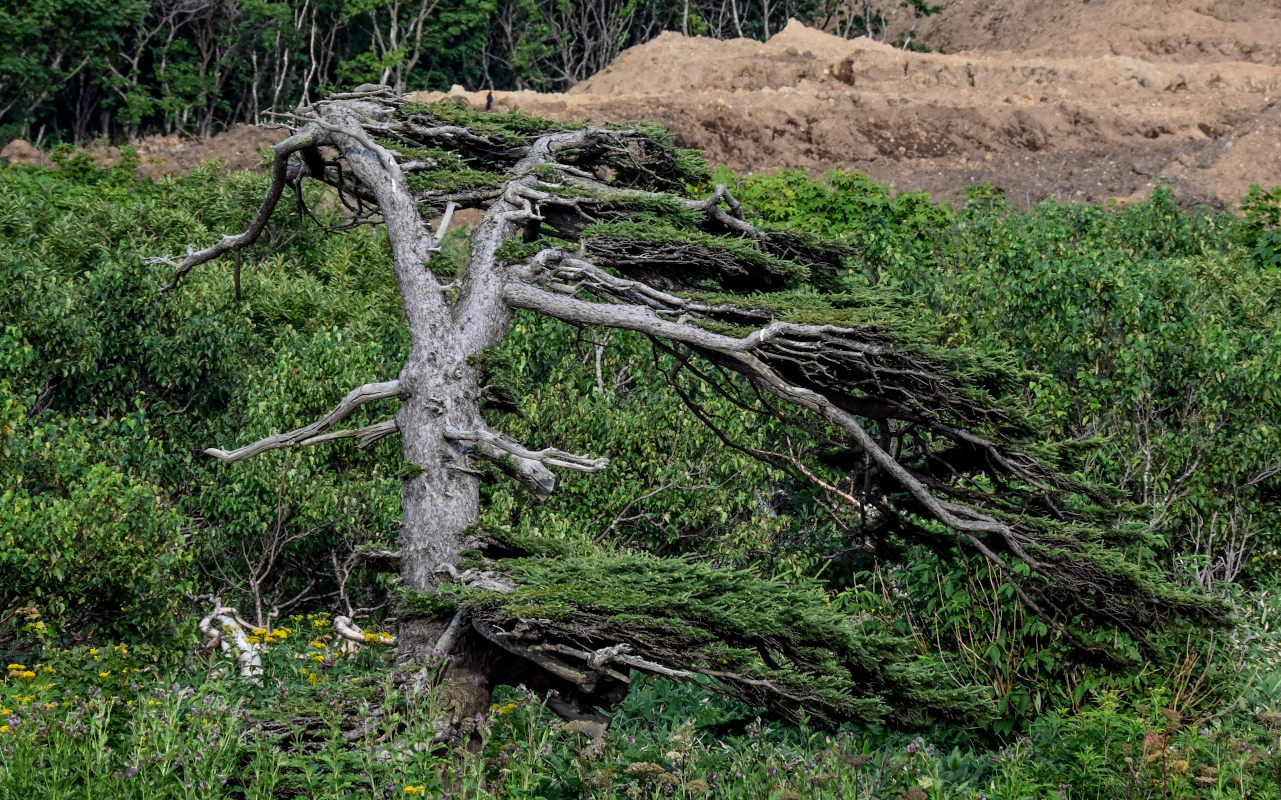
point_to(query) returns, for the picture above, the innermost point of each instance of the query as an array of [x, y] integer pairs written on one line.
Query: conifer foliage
[[599, 227]]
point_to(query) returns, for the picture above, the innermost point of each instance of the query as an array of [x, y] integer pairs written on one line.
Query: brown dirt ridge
[[1043, 98], [1062, 99]]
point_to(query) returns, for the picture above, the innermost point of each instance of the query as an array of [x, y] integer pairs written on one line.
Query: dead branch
[[305, 138], [530, 467], [316, 432], [349, 630], [226, 630]]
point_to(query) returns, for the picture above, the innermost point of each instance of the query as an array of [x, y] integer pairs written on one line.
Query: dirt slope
[[1051, 98], [1181, 31], [1069, 99]]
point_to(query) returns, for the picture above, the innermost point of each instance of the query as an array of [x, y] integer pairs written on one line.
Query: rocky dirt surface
[[1044, 98], [1056, 99], [239, 148]]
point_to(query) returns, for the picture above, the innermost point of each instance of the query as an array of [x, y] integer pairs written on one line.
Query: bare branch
[[449, 637], [307, 137], [478, 578], [527, 466], [226, 630], [317, 431], [349, 630]]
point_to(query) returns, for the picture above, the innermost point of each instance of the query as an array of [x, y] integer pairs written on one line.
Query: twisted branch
[[310, 136], [318, 431]]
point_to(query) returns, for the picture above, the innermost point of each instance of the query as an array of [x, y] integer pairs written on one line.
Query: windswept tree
[[907, 439]]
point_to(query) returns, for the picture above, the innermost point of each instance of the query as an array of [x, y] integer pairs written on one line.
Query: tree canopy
[[899, 435]]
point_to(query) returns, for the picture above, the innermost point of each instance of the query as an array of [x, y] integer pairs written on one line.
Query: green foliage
[[1151, 330], [1262, 212], [107, 392]]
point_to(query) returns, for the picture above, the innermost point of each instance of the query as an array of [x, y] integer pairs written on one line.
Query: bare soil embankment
[[1045, 98], [1049, 99]]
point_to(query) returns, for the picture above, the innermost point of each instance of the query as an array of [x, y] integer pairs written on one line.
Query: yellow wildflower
[[415, 789], [317, 658], [106, 674], [153, 702], [318, 645], [259, 631], [312, 678], [4, 711], [4, 728], [93, 651], [253, 639], [27, 675], [18, 667], [507, 708], [320, 623], [48, 668]]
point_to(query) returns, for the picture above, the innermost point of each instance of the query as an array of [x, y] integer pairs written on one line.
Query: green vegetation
[[1143, 341]]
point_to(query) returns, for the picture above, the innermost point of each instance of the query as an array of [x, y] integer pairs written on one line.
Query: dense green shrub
[[109, 392]]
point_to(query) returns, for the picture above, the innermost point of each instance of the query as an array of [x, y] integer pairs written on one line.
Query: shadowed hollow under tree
[[902, 437]]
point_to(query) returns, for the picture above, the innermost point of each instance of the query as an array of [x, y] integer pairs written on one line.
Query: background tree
[[902, 438]]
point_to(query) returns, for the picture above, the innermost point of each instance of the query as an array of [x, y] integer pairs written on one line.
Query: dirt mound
[[239, 148], [1180, 31], [1090, 120]]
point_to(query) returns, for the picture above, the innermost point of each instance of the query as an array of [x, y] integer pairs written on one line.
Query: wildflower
[[106, 674], [93, 651], [27, 675], [506, 708], [4, 728], [698, 787], [254, 639], [419, 789], [320, 623], [645, 769], [18, 667], [318, 645], [5, 711], [259, 631]]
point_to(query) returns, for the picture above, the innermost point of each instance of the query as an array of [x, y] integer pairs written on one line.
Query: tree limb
[[527, 466], [307, 137], [349, 630], [317, 431]]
